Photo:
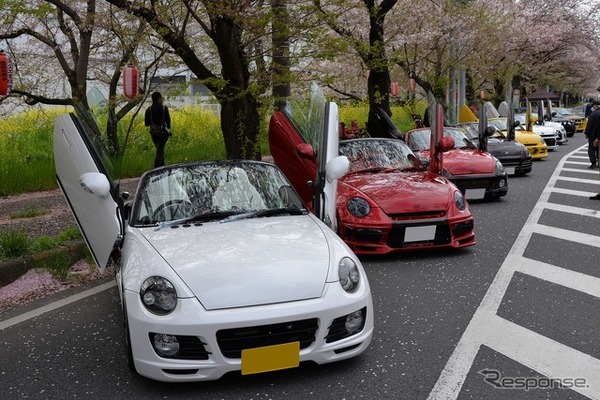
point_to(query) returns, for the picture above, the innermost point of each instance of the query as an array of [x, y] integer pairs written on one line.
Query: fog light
[[502, 183], [354, 322], [166, 345]]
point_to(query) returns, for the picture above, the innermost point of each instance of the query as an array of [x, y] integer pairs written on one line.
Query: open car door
[[88, 187], [303, 140]]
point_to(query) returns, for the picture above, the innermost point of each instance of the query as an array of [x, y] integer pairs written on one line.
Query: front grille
[[525, 165], [396, 237], [233, 341], [418, 215], [550, 142], [474, 183]]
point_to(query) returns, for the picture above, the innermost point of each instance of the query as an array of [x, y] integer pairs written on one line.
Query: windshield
[[471, 130], [419, 139], [378, 154], [307, 115], [521, 118], [500, 123], [562, 111], [211, 188]]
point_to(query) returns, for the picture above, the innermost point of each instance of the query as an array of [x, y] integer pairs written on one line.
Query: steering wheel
[[176, 209]]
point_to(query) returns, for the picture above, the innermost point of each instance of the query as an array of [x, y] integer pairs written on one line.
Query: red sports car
[[478, 174], [387, 202]]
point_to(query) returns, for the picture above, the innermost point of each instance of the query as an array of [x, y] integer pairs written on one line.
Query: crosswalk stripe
[[560, 276], [523, 345], [564, 234], [542, 354]]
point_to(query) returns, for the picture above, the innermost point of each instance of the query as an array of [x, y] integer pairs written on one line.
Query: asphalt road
[[480, 323]]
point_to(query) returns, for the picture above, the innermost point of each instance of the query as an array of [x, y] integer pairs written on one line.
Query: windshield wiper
[[368, 170], [265, 213], [202, 216]]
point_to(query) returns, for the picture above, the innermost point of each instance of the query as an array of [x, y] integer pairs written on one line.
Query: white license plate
[[510, 170], [419, 233], [474, 194]]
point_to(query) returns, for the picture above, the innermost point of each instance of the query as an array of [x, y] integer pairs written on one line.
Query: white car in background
[[553, 136], [219, 265]]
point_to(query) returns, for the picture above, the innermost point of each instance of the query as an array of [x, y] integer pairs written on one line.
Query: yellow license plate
[[270, 358]]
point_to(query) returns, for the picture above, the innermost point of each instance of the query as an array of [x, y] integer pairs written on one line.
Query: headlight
[[158, 295], [358, 207], [525, 153], [499, 168], [349, 275], [459, 200]]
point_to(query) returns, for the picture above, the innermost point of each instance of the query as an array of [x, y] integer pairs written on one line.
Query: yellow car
[[534, 142]]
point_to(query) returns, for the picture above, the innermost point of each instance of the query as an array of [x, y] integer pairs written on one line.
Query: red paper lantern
[[412, 85], [394, 88], [5, 74], [130, 81]]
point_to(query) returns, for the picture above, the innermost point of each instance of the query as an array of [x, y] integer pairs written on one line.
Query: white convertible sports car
[[219, 266]]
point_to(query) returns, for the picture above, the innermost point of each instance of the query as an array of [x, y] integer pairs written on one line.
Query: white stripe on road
[[572, 192], [57, 304], [578, 180], [560, 276], [544, 355], [564, 234], [585, 212], [485, 325]]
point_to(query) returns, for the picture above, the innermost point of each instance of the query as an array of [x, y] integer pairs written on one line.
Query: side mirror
[[489, 131], [516, 124], [95, 183], [305, 150], [554, 113], [447, 143], [336, 168]]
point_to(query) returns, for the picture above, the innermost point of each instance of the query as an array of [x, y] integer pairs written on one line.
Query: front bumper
[[384, 238], [537, 152], [551, 142], [520, 166], [494, 185], [191, 320]]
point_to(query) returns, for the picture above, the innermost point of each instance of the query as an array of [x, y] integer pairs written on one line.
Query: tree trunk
[[281, 59], [240, 124], [379, 80]]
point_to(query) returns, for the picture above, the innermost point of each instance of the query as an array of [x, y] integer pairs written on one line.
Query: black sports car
[[513, 155]]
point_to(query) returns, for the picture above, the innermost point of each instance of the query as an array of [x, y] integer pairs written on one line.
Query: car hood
[[501, 148], [466, 162], [247, 262], [544, 130], [401, 192]]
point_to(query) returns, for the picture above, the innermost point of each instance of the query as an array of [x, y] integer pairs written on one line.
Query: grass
[[29, 213], [16, 243], [27, 161]]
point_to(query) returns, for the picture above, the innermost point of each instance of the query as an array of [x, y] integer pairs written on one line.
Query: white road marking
[[537, 352], [57, 304]]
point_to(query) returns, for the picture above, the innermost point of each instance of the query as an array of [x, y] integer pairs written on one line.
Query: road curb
[[11, 270]]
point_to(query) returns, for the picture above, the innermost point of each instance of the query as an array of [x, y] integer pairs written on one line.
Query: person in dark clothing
[[157, 118], [588, 107], [592, 133]]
